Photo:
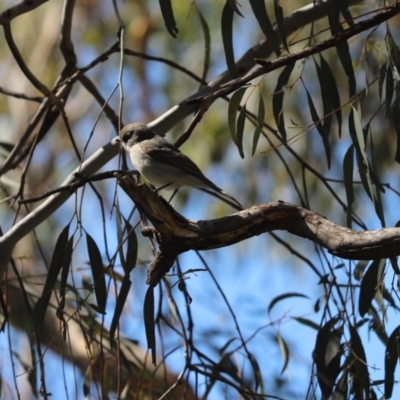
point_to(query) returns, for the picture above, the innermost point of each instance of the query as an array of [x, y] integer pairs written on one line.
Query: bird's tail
[[225, 197]]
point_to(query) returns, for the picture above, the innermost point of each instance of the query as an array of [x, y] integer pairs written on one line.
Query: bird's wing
[[179, 160]]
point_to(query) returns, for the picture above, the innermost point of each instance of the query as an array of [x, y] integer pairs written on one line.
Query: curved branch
[[176, 234]]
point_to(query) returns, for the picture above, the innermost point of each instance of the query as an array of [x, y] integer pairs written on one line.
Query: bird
[[163, 165]]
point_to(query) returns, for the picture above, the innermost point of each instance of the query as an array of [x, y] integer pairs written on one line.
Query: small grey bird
[[163, 165]]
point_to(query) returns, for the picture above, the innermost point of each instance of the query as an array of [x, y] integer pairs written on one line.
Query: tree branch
[[176, 234]]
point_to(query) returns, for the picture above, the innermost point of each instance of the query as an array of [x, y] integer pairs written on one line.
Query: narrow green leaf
[[342, 48], [389, 90], [382, 75], [256, 137], [261, 111], [132, 248], [395, 113], [395, 265], [277, 99], [148, 311], [307, 322], [256, 373], [393, 48], [7, 146], [56, 264], [118, 222], [285, 352], [281, 297], [360, 375], [280, 22], [240, 128], [64, 273], [169, 19], [326, 343], [233, 107], [119, 306], [260, 12], [330, 92], [321, 129], [99, 281], [207, 45], [227, 31], [348, 167], [391, 359], [357, 135], [344, 9], [369, 286], [234, 5]]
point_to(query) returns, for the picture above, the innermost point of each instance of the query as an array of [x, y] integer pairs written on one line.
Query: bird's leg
[[162, 187], [173, 194]]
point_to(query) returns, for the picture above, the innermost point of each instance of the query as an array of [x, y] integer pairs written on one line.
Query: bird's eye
[[126, 137]]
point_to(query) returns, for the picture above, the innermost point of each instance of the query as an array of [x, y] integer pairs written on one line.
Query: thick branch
[[176, 234]]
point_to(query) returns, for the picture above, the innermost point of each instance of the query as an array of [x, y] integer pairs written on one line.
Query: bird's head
[[134, 133]]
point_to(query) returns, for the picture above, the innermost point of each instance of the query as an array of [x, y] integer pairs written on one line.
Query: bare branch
[[25, 6], [176, 234]]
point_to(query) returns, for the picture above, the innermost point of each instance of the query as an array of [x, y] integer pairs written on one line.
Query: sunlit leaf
[[148, 312], [169, 19], [97, 267], [284, 351]]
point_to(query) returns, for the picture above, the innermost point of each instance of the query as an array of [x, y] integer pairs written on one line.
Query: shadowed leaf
[[359, 369], [369, 286], [391, 360], [233, 107], [226, 28], [277, 99], [169, 19], [348, 167], [56, 265], [280, 23], [260, 12], [97, 267], [240, 128], [119, 306], [148, 311]]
